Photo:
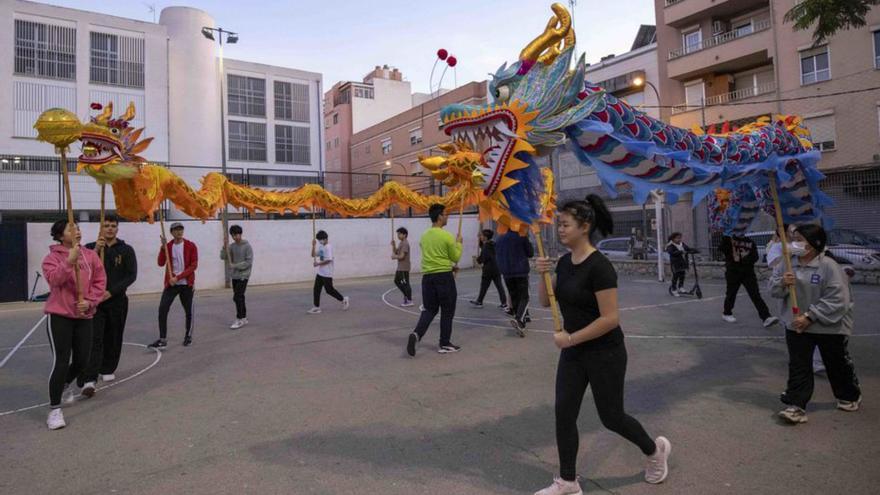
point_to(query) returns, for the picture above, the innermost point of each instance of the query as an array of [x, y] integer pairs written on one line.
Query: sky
[[344, 40]]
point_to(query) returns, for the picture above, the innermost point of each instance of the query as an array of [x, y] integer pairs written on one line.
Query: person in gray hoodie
[[240, 262], [824, 319]]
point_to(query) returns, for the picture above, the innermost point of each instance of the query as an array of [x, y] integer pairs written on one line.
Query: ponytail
[[591, 210]]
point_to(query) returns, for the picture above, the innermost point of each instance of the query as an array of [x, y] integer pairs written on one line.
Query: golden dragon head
[[110, 147]]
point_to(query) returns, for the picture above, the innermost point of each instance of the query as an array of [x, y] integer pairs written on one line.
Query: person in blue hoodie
[[512, 252]]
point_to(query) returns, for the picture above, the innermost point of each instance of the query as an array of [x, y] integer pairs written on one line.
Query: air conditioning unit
[[719, 27]]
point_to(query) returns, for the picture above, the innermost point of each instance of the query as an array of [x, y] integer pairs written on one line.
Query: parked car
[[849, 247], [617, 248]]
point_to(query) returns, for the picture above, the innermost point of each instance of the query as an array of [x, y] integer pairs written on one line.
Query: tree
[[829, 16]]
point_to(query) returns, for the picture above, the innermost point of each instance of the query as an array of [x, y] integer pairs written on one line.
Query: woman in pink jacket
[[70, 320]]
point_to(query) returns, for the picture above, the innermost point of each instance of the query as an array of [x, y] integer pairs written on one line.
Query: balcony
[[725, 52], [733, 96], [678, 13]]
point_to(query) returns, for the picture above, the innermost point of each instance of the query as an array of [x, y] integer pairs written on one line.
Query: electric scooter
[[695, 290]]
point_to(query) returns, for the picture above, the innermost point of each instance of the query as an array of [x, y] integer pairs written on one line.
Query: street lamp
[[640, 82], [231, 38]]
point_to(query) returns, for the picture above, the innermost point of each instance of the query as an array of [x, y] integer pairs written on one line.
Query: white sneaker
[[845, 405], [345, 303], [770, 321], [244, 321], [730, 318], [88, 390], [108, 378], [421, 307], [562, 487], [236, 324], [658, 466], [55, 421], [71, 393], [676, 293], [314, 311], [793, 415]]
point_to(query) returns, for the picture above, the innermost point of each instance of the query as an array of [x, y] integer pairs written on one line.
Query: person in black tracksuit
[[120, 265], [490, 269], [513, 253], [678, 252], [740, 256]]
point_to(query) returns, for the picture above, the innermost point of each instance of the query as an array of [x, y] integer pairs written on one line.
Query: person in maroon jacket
[[179, 281]]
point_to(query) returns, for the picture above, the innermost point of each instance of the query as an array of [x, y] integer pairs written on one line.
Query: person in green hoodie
[[440, 253], [241, 260], [824, 319]]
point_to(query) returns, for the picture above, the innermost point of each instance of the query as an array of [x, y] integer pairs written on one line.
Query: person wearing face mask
[[773, 249], [824, 320], [592, 344]]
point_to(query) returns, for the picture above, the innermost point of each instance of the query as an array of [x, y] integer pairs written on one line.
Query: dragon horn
[[105, 114], [547, 46], [129, 112]]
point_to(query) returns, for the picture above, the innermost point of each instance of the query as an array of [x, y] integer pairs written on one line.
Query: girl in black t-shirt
[[593, 352]]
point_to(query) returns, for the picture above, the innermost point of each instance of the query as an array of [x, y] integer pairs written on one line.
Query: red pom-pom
[[96, 106], [451, 61], [442, 54]]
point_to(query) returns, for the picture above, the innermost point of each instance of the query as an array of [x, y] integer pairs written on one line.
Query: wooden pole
[[548, 283], [228, 260], [314, 231], [70, 224], [101, 227], [165, 242], [391, 213], [461, 213], [785, 254]]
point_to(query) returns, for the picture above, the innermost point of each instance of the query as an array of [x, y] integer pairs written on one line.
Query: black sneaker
[[448, 348], [477, 304], [411, 344], [158, 344], [187, 341], [518, 327]]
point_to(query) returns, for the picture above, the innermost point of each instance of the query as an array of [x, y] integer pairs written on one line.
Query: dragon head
[[110, 147]]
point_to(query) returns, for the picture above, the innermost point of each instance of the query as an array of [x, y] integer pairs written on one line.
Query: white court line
[[22, 341], [112, 384], [464, 320]]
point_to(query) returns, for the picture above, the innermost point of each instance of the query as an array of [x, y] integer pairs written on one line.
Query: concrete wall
[[281, 248], [715, 271]]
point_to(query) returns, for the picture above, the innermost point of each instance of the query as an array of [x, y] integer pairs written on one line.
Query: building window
[[367, 149], [694, 93], [362, 92], [692, 41], [45, 50], [328, 145], [31, 98], [386, 146], [335, 118], [292, 101], [117, 60], [247, 141], [292, 145], [815, 66], [336, 142], [876, 49], [823, 132], [415, 136], [247, 96]]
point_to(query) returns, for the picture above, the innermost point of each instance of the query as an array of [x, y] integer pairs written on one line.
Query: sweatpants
[[238, 288], [678, 279], [186, 300], [604, 370], [107, 330], [327, 284], [838, 366], [747, 278], [401, 280], [485, 281], [438, 294], [518, 288], [71, 341]]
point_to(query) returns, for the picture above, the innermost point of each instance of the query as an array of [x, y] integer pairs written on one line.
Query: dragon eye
[[502, 93], [114, 130]]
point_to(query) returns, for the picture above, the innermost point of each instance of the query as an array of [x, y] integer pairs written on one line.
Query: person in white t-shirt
[[322, 256]]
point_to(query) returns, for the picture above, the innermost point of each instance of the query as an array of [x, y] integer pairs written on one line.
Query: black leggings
[[747, 278], [327, 284], [485, 281], [604, 369], [238, 288], [401, 280], [186, 300], [67, 336], [518, 288], [108, 325], [678, 278]]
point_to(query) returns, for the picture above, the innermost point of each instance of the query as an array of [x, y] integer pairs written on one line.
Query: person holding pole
[[514, 251], [592, 344], [74, 295], [401, 253], [826, 323], [440, 253], [180, 278], [120, 265], [241, 260]]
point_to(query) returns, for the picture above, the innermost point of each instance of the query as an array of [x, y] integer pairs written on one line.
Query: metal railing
[[736, 95], [720, 39]]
